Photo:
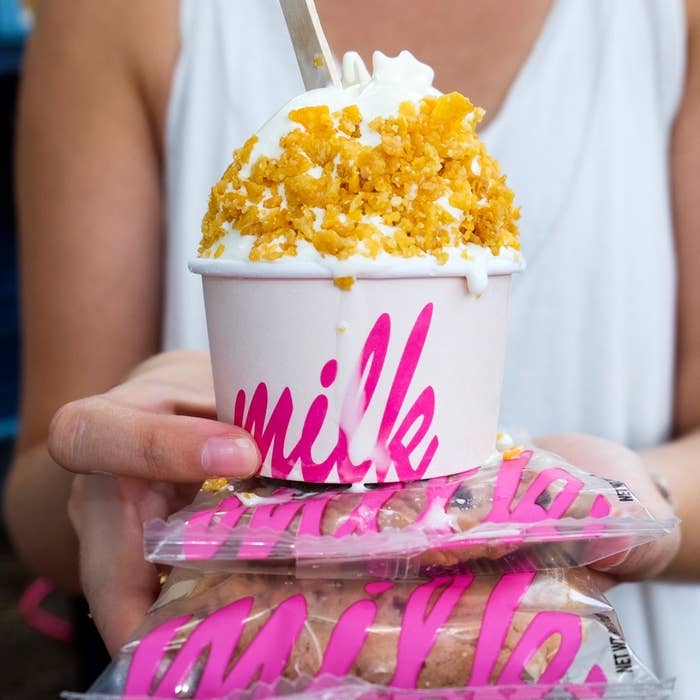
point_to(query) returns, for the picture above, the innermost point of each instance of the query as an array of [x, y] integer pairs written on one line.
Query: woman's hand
[[613, 461], [140, 451]]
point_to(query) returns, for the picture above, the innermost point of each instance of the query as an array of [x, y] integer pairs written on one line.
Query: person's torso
[[583, 136]]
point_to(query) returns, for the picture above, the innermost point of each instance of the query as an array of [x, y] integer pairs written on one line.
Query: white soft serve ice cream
[[382, 177]]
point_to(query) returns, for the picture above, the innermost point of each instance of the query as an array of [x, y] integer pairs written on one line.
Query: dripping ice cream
[[384, 174]]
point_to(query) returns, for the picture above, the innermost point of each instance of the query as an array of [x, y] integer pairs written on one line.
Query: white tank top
[[583, 136]]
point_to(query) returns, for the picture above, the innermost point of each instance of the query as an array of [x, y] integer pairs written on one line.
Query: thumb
[[99, 435]]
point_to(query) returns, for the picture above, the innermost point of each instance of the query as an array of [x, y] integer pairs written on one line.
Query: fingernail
[[223, 456], [611, 562]]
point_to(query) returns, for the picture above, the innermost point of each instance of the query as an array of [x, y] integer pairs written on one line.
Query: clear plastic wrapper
[[515, 635], [532, 510], [355, 689]]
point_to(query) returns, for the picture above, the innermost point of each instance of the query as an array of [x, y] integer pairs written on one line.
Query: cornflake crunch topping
[[214, 485], [513, 453], [427, 186], [344, 283]]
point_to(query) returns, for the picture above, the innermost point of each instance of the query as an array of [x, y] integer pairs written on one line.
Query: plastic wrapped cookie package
[[326, 688], [529, 510], [531, 634]]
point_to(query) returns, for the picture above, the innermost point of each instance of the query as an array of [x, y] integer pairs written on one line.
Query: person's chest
[[475, 47]]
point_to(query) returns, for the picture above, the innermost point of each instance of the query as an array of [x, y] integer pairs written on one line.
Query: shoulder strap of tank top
[[671, 34]]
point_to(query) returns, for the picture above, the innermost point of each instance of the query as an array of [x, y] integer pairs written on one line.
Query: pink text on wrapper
[[214, 642], [206, 531], [393, 444]]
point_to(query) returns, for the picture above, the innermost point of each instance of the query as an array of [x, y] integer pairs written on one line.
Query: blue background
[[14, 24]]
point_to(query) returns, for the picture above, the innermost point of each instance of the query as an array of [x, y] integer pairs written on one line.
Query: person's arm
[[679, 461], [92, 116], [89, 201]]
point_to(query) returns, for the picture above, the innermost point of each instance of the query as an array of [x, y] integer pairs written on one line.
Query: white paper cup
[[397, 379]]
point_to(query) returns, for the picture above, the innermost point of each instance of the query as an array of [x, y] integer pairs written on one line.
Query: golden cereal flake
[[512, 453], [214, 485], [344, 283], [388, 198]]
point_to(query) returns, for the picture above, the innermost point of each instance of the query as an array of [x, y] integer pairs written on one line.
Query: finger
[[97, 435], [603, 581], [185, 368], [118, 584], [174, 395], [608, 563], [119, 605], [642, 562]]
